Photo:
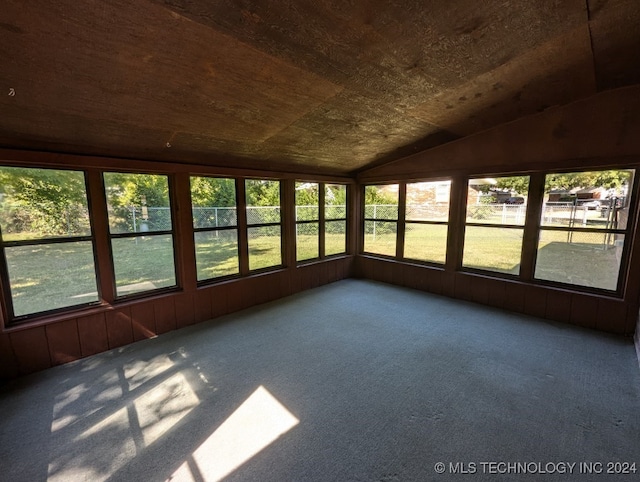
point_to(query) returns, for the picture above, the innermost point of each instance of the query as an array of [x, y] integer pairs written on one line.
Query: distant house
[[477, 189], [560, 195], [591, 193]]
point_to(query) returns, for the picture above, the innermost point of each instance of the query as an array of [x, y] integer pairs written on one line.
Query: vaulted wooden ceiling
[[303, 85]]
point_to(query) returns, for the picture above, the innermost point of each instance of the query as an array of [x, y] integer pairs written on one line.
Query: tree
[[518, 184], [336, 194], [611, 179], [262, 192], [377, 195], [213, 192], [307, 194], [125, 189], [43, 201], [130, 196]]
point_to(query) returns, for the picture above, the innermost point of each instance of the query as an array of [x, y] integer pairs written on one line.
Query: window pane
[[143, 263], [428, 201], [263, 201], [501, 200], [307, 201], [216, 253], [264, 247], [51, 276], [213, 202], [381, 202], [307, 241], [42, 203], [137, 203], [587, 199], [426, 242], [493, 249], [380, 237], [579, 258], [335, 237], [335, 201]]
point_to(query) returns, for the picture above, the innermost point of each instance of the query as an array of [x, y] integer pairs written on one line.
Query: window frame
[[623, 269], [322, 221], [236, 227], [174, 239], [521, 227], [396, 221], [248, 226], [8, 309], [446, 223], [315, 221]]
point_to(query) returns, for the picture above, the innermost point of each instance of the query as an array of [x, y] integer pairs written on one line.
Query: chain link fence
[[214, 217], [381, 211], [140, 219], [335, 211], [428, 212], [19, 221], [263, 214]]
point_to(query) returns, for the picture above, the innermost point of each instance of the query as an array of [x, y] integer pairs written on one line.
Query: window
[[316, 215], [46, 240], [584, 227], [215, 225], [381, 219], [496, 210], [141, 228], [335, 215], [426, 221], [264, 223], [307, 221]]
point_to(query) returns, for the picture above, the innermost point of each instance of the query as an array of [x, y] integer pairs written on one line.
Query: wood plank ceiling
[[305, 85]]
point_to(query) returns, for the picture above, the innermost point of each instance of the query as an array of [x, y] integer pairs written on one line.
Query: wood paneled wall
[[60, 338], [37, 348], [598, 132], [588, 310]]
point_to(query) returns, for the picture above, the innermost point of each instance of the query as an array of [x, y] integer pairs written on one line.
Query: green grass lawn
[[586, 261], [59, 275], [51, 276]]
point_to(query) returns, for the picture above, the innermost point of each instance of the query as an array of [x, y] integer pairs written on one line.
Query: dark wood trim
[[631, 255], [531, 226], [523, 169], [288, 220], [457, 217], [184, 244], [100, 226], [355, 215], [241, 211], [16, 157], [400, 227], [321, 220]]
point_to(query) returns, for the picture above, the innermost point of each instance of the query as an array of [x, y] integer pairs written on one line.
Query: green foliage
[[213, 192], [483, 210], [307, 194], [612, 179], [43, 202], [518, 184], [378, 204], [376, 195], [335, 194], [262, 192], [128, 191], [136, 189]]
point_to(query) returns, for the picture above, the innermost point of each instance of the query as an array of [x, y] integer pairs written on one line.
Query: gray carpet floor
[[353, 381]]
